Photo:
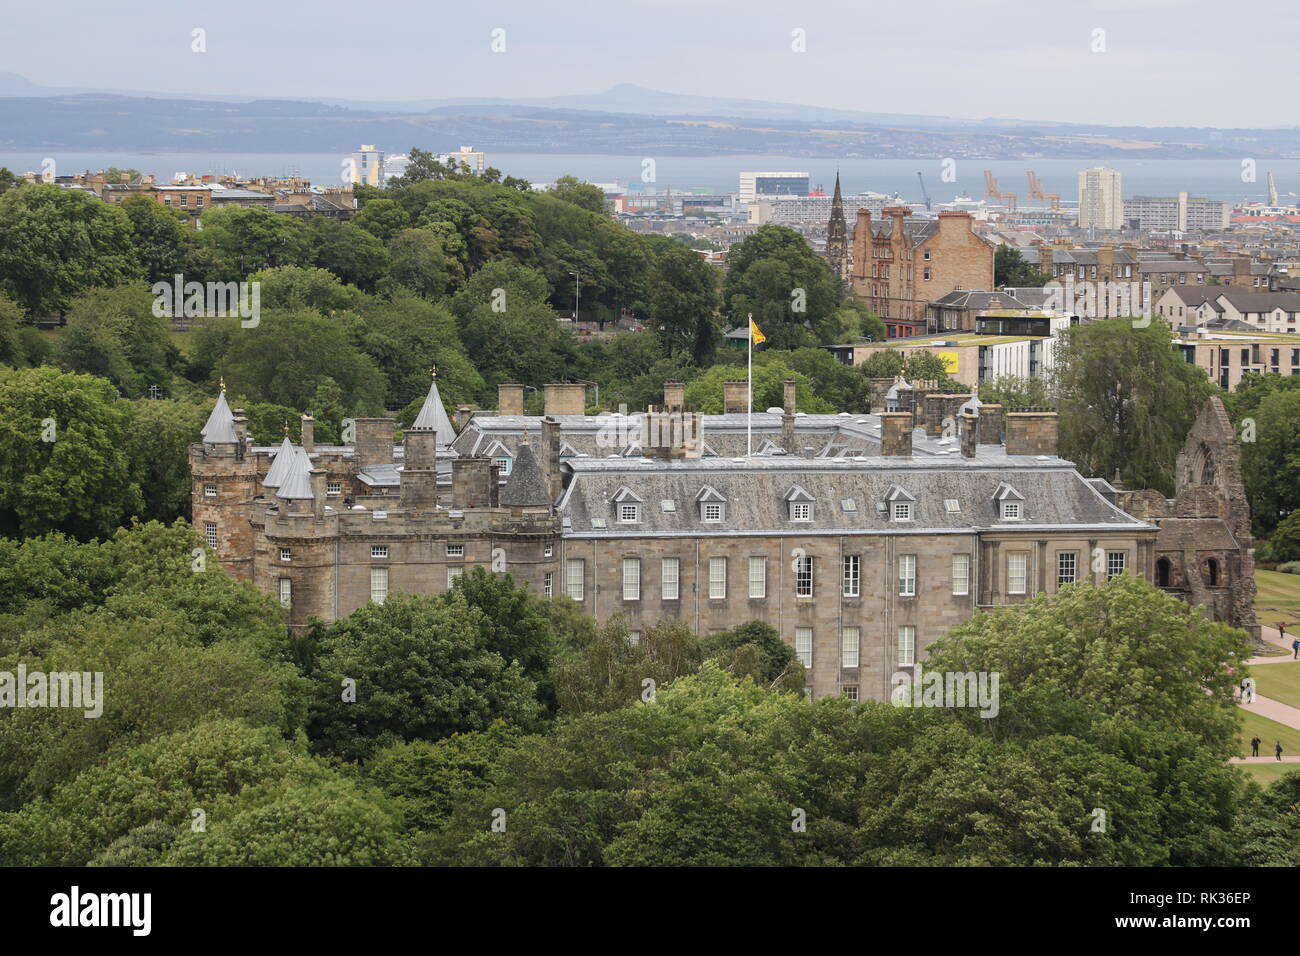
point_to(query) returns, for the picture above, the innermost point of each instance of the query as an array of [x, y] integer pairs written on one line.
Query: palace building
[[861, 538]]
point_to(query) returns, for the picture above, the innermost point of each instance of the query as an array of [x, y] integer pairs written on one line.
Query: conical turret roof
[[275, 475], [526, 487], [296, 483], [433, 415], [220, 426]]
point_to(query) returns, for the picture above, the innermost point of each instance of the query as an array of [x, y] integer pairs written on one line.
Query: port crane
[[1036, 192], [993, 191], [926, 196]]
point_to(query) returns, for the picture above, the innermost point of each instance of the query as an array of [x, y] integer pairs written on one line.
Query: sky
[[1155, 63]]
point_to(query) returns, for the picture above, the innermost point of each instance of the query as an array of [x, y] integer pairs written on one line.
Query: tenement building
[[860, 538]]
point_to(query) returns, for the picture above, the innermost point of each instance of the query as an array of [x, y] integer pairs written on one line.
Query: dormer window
[[713, 506], [503, 465], [627, 506], [902, 511], [800, 503], [1010, 503], [899, 505]]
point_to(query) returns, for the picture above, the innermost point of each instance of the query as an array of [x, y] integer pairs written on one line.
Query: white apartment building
[[1101, 204]]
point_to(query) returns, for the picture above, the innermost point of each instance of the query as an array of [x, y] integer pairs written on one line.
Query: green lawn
[[1269, 731], [1280, 681], [1265, 773], [1277, 598]]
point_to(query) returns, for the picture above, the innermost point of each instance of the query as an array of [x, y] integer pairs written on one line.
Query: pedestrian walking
[[1277, 748], [1254, 745]]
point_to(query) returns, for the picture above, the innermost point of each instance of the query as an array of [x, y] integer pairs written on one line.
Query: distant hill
[[624, 120]]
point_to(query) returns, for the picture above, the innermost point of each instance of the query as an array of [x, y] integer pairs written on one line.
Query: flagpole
[[749, 408]]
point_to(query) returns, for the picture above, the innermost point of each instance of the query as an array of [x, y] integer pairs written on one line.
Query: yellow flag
[[755, 335]]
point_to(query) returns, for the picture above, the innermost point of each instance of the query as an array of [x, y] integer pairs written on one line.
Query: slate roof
[[433, 415], [220, 426], [279, 465], [297, 481], [1056, 496], [526, 487]]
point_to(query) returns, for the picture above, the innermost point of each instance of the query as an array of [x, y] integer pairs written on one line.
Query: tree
[[305, 287], [582, 194], [419, 263], [57, 243], [790, 290], [603, 670], [706, 391], [161, 237], [1126, 401], [63, 462], [755, 650], [351, 253], [421, 669], [158, 444], [288, 355], [382, 218], [683, 303], [13, 350], [1284, 542], [243, 239], [1011, 269], [1266, 826], [1013, 392], [8, 180], [924, 366], [1270, 464], [887, 363], [113, 333]]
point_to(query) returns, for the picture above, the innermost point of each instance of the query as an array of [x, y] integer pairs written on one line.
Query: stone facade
[[901, 264]]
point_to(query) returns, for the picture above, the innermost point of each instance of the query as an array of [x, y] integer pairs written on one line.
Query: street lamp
[[575, 295]]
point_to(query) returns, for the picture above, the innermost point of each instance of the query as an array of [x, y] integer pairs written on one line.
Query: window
[[286, 592], [952, 506], [717, 577], [852, 575], [634, 638], [503, 465], [961, 574], [379, 550], [850, 641], [548, 551], [631, 579], [758, 577], [454, 575], [907, 575], [286, 554], [711, 511], [209, 491], [333, 488], [670, 577], [927, 275], [803, 645], [629, 512], [1011, 511], [210, 534], [378, 585], [803, 576], [1017, 571], [851, 692], [574, 570], [906, 646], [1115, 562], [801, 511], [455, 551], [548, 584], [902, 511], [1067, 568]]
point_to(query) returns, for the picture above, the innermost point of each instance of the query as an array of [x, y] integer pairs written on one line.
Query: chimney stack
[[674, 395], [419, 483], [990, 424], [318, 491], [551, 456], [933, 406], [374, 444], [735, 398], [969, 426], [510, 399], [564, 398], [1031, 433], [896, 434], [474, 483], [787, 418], [308, 434]]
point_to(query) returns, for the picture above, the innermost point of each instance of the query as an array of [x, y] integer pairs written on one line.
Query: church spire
[[837, 234]]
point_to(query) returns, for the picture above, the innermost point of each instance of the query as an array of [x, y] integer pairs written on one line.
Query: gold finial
[[223, 384], [433, 370], [286, 428]]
